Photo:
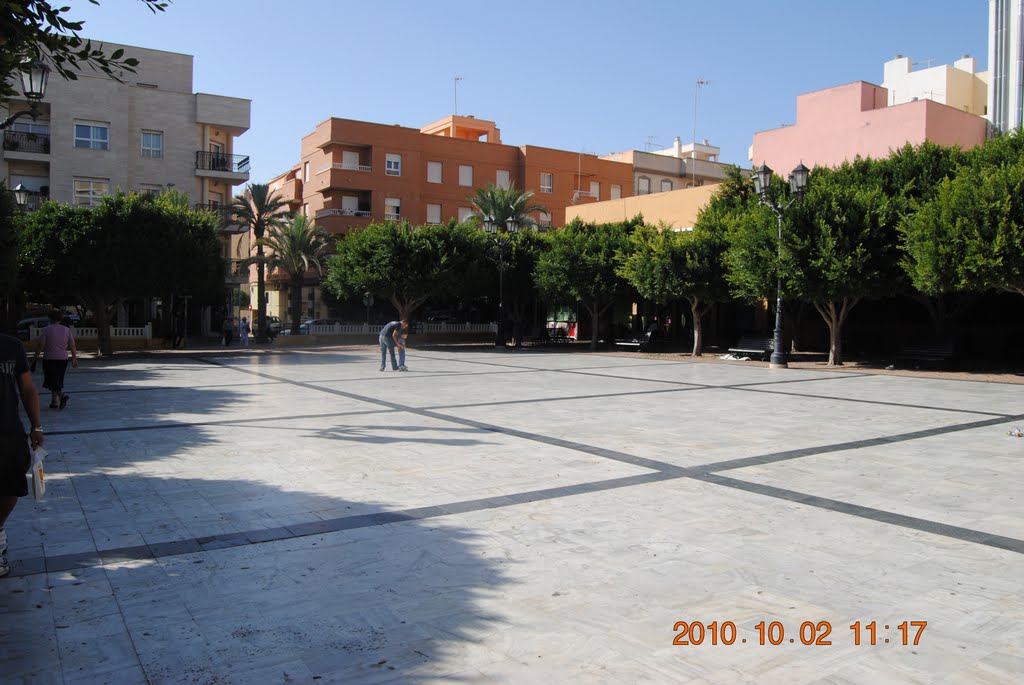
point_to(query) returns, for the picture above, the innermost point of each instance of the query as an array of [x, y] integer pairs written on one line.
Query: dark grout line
[[887, 517]]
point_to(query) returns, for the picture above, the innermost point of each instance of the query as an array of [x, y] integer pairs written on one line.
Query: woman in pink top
[[54, 342]]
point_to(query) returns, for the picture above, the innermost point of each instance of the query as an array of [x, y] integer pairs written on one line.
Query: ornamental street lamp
[[762, 186], [21, 194], [33, 84], [501, 241]]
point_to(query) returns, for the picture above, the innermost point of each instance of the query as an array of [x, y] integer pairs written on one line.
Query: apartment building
[[148, 133], [838, 124], [352, 173], [958, 85], [675, 168]]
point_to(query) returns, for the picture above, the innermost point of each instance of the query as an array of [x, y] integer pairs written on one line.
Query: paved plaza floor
[[518, 517]]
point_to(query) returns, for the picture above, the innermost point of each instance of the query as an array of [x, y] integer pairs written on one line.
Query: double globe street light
[[501, 241], [765, 196], [34, 77]]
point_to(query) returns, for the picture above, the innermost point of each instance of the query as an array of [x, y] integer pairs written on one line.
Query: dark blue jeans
[[388, 345]]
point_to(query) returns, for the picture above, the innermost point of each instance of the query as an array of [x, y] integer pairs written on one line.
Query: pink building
[[837, 124]]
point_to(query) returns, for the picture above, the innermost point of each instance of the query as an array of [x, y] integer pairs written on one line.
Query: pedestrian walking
[[389, 340], [55, 341], [15, 457], [243, 332], [228, 329]]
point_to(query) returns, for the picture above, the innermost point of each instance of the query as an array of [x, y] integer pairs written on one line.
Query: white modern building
[[959, 85], [1006, 64]]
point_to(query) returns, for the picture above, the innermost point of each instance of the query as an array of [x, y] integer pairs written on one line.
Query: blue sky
[[590, 75]]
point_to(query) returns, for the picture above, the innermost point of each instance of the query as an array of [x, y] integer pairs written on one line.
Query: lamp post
[[763, 188], [20, 195], [33, 85], [501, 241]]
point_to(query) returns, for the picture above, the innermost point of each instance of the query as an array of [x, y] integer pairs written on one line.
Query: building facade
[[148, 133], [676, 209], [959, 85], [680, 166], [838, 124], [352, 173], [1006, 64]]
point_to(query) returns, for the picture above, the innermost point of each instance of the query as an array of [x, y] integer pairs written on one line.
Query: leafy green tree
[[970, 236], [36, 29], [665, 265], [505, 203], [295, 248], [260, 209], [580, 265], [842, 247], [128, 246], [524, 250], [404, 264]]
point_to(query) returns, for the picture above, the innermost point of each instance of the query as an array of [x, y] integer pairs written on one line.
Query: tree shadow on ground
[[177, 552]]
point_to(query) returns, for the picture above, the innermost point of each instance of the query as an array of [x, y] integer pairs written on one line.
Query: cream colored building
[[680, 166], [151, 132], [677, 209], [959, 86]]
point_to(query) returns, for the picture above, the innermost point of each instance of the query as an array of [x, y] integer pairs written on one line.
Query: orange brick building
[[353, 173]]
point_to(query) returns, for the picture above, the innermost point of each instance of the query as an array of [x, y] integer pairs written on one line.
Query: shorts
[[53, 374], [15, 458]]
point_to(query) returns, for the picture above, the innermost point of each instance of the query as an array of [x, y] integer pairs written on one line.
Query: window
[[433, 214], [595, 190], [393, 165], [150, 189], [465, 175], [392, 209], [92, 135], [616, 192], [152, 144], [545, 220], [41, 128], [305, 210], [666, 185], [434, 170], [547, 182], [88, 191], [464, 214], [502, 179], [305, 172], [643, 185]]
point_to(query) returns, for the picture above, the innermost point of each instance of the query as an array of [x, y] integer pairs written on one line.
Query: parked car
[[43, 321], [304, 327], [274, 325]]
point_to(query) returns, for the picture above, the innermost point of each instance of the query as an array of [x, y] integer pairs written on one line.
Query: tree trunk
[[296, 303], [101, 314], [698, 328], [835, 317], [594, 320], [261, 289]]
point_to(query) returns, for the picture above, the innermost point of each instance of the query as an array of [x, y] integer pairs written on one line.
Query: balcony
[[336, 221], [345, 167], [34, 200], [233, 168], [20, 141], [228, 223]]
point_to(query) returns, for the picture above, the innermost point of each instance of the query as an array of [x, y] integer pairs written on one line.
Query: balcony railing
[[237, 268], [392, 216], [341, 212], [27, 142], [216, 161], [226, 216], [345, 167], [34, 200]]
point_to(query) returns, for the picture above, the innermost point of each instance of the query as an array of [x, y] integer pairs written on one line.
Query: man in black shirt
[[15, 382]]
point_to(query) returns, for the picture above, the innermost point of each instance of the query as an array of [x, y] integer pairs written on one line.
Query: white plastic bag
[[36, 473]]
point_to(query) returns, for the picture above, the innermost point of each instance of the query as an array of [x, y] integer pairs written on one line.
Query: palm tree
[[505, 203], [295, 247], [259, 209]]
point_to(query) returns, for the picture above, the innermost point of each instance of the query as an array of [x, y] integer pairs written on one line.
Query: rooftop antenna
[[455, 85], [650, 143], [698, 86], [926, 62]]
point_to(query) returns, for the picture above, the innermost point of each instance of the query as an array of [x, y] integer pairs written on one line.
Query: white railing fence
[[86, 332], [427, 327]]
